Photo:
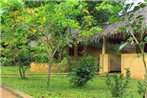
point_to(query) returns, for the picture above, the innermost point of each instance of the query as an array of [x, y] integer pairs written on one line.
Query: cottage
[[113, 62], [130, 59]]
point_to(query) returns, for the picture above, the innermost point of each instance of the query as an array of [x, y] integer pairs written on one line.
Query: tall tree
[[53, 24]]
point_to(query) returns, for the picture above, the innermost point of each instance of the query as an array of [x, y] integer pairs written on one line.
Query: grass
[[60, 88], [14, 70]]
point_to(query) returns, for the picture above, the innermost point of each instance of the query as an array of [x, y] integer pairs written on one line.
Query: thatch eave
[[110, 31]]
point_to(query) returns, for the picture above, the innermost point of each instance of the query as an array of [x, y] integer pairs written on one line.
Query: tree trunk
[[20, 71], [49, 71], [20, 67], [24, 75], [23, 72], [1, 68]]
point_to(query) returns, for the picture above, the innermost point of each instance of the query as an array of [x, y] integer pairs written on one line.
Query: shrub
[[142, 87], [118, 85], [83, 70]]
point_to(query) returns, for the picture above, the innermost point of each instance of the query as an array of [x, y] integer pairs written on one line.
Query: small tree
[[142, 87], [15, 35], [133, 25]]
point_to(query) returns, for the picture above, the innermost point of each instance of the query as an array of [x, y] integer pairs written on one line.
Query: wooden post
[[102, 57], [85, 50], [104, 45], [67, 51], [76, 51]]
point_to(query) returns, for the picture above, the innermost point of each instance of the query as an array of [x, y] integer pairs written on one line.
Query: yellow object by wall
[[43, 67], [39, 67], [135, 63]]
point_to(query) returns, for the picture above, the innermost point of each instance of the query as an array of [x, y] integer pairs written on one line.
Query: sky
[[135, 3]]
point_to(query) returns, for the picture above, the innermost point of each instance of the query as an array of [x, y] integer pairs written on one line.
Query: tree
[[15, 35], [53, 24]]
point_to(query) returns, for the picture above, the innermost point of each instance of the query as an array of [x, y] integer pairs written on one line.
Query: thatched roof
[[108, 30]]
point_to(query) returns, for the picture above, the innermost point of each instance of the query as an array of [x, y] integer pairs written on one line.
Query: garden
[[67, 41]]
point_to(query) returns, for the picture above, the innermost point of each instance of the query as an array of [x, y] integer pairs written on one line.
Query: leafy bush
[[83, 70], [118, 85], [142, 87]]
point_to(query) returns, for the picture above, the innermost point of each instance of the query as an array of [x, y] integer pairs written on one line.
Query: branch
[[48, 42], [26, 68], [56, 50], [130, 28]]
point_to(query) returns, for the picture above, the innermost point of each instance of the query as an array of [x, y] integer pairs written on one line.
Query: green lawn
[[60, 88], [14, 70]]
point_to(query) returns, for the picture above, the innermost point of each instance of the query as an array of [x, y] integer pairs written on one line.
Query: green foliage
[[83, 70], [35, 3], [63, 62], [24, 56], [118, 85], [64, 65], [112, 7], [39, 54], [130, 39], [5, 61], [145, 39], [142, 87], [14, 35]]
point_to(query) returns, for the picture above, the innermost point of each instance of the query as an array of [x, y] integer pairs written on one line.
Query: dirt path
[[5, 93]]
